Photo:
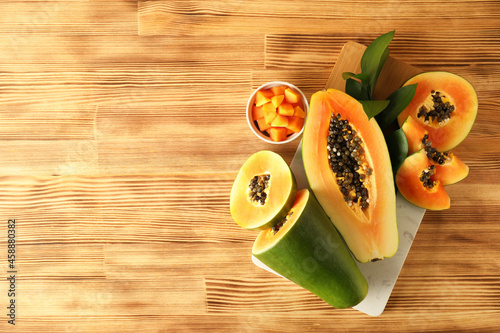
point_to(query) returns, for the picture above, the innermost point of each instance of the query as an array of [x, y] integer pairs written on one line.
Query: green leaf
[[363, 77], [356, 89], [372, 108], [399, 100], [398, 148], [347, 75], [375, 57]]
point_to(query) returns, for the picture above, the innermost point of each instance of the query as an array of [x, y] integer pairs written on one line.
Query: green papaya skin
[[312, 254]]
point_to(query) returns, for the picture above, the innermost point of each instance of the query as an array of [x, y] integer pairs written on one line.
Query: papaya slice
[[418, 181], [445, 104], [348, 168], [452, 170], [306, 248], [449, 168], [263, 191]]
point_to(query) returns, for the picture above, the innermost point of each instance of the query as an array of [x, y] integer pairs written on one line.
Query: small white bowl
[[251, 101]]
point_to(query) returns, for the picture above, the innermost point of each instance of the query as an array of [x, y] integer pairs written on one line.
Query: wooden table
[[122, 128]]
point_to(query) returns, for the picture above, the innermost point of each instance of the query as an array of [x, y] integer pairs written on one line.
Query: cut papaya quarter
[[263, 191], [445, 104], [451, 171], [449, 168], [307, 249], [414, 133], [348, 168], [416, 182]]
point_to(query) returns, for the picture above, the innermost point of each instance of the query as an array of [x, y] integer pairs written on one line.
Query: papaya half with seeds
[[449, 167], [307, 249], [445, 104], [263, 191], [348, 168], [418, 181]]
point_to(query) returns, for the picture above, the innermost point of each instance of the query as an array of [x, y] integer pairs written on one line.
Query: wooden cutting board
[[392, 76], [381, 275]]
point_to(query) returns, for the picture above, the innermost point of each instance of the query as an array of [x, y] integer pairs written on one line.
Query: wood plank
[[177, 259], [129, 53], [45, 121], [23, 21], [262, 293], [123, 87], [315, 17], [464, 49], [141, 209], [55, 262]]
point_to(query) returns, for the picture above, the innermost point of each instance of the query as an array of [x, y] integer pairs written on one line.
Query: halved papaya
[[445, 104], [348, 167], [449, 168], [263, 191], [418, 182], [307, 249]]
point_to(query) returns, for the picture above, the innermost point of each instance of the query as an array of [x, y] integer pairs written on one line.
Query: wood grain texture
[[121, 131]]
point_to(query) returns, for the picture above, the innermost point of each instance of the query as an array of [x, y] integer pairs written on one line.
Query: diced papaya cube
[[277, 133], [278, 90], [263, 96], [280, 121], [286, 109], [257, 112], [276, 100], [269, 112], [291, 96], [298, 112], [295, 123], [262, 124], [299, 103], [289, 131]]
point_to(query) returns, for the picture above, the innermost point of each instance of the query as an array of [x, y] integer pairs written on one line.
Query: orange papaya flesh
[[291, 96], [356, 188], [449, 168], [277, 134], [263, 191], [261, 123], [298, 112], [277, 100], [417, 182], [278, 90], [263, 96], [269, 112], [286, 109], [295, 124], [451, 171], [445, 104], [257, 112], [280, 121]]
